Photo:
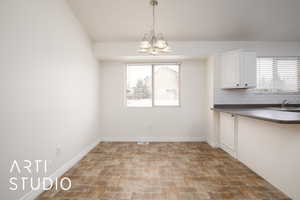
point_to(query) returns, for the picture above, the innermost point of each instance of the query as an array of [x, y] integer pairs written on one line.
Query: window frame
[[269, 92], [152, 85]]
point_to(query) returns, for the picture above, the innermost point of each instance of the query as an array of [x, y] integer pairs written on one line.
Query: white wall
[[49, 86], [198, 49], [185, 123], [249, 96], [212, 116]]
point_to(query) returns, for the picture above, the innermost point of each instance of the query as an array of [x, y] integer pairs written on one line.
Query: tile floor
[[162, 171]]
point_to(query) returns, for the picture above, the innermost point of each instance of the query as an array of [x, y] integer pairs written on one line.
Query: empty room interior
[[150, 99]]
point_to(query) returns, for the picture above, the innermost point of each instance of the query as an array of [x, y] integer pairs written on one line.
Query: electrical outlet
[[57, 151], [148, 126]]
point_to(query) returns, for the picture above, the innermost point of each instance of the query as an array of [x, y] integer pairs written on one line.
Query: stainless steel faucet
[[284, 103]]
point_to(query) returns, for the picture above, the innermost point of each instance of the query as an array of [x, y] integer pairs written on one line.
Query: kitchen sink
[[286, 109]]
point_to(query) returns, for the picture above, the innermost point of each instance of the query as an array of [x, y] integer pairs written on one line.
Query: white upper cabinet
[[238, 70]]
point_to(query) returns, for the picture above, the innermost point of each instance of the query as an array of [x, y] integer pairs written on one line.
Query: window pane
[[287, 75], [139, 86], [265, 73], [166, 85]]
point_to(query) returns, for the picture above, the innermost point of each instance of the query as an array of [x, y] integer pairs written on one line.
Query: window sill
[[147, 107]]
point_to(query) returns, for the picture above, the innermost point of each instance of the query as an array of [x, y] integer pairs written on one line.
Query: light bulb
[[161, 44], [143, 50], [167, 49], [145, 44]]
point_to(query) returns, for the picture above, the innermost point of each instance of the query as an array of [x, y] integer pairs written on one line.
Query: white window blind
[[278, 74]]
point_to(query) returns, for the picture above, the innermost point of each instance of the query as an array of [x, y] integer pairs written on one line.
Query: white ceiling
[[182, 20]]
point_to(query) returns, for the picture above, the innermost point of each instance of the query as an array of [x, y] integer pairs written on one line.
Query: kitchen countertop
[[263, 113]]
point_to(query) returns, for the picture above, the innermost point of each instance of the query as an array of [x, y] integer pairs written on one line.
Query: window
[[278, 74], [166, 87], [151, 85], [139, 86]]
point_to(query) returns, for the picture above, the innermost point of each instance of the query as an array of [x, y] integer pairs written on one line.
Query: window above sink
[[278, 74]]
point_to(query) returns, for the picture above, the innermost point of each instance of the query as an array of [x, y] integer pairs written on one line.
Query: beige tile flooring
[[162, 171]]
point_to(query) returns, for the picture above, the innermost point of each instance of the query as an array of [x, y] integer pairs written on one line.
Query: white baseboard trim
[[60, 171], [153, 139], [229, 150], [212, 144]]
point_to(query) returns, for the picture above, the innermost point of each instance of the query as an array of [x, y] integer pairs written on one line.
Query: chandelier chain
[[153, 16]]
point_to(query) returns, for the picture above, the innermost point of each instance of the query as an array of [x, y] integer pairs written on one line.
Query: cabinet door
[[249, 70], [227, 133], [230, 70]]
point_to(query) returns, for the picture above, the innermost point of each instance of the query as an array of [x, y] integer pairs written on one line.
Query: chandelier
[[152, 43]]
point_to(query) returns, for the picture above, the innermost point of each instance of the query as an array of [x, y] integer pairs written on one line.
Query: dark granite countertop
[[260, 112]]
